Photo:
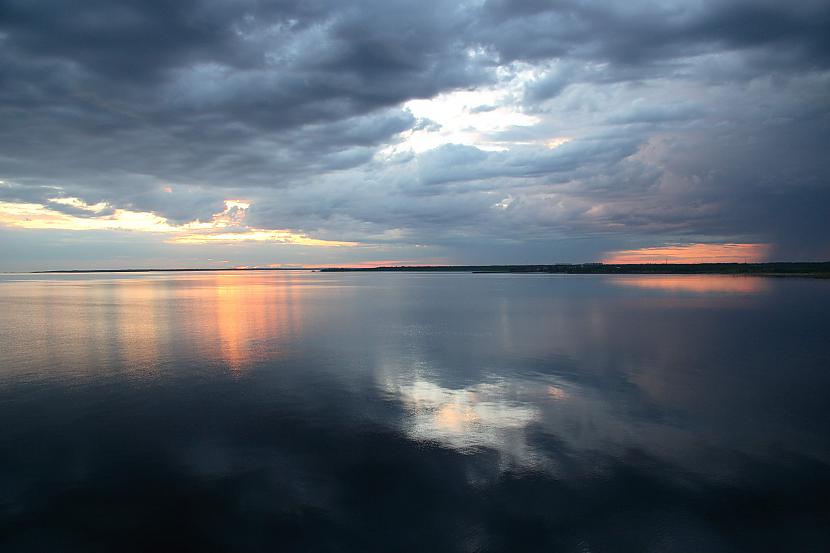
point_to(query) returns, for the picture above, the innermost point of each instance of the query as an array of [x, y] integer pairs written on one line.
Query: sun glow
[[226, 226], [258, 235], [38, 216], [692, 253]]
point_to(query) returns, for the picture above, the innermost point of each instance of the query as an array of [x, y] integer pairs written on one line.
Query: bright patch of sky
[[471, 117]]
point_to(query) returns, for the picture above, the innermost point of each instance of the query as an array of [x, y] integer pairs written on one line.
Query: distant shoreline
[[197, 270], [801, 269], [783, 269]]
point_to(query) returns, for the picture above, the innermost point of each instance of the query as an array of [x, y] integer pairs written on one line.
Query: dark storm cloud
[[644, 32], [270, 65], [685, 120], [204, 93]]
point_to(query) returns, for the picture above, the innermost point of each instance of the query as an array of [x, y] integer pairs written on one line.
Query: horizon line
[[443, 267]]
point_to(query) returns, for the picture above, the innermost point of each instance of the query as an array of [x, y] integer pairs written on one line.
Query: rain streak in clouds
[[202, 133]]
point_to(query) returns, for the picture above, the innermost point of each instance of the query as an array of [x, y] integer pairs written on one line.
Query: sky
[[209, 133]]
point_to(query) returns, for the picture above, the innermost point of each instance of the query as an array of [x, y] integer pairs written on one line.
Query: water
[[413, 412]]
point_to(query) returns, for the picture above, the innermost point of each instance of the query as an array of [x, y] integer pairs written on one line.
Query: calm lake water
[[279, 411]]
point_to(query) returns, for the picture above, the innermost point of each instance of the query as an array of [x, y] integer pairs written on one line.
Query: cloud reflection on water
[[479, 416]]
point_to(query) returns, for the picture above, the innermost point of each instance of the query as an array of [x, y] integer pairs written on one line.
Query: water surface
[[261, 411]]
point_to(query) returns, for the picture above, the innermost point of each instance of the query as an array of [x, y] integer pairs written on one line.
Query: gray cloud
[[644, 32], [686, 122]]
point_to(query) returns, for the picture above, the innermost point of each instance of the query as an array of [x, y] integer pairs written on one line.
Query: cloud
[[228, 226], [390, 122]]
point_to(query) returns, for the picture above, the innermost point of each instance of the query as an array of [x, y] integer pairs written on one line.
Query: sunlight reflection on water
[[696, 283]]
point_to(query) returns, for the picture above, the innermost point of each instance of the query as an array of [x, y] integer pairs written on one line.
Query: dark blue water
[[413, 412]]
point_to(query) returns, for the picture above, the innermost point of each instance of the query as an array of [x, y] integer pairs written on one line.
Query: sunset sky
[[202, 133]]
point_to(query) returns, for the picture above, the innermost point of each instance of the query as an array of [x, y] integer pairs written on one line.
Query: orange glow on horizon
[[692, 253]]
